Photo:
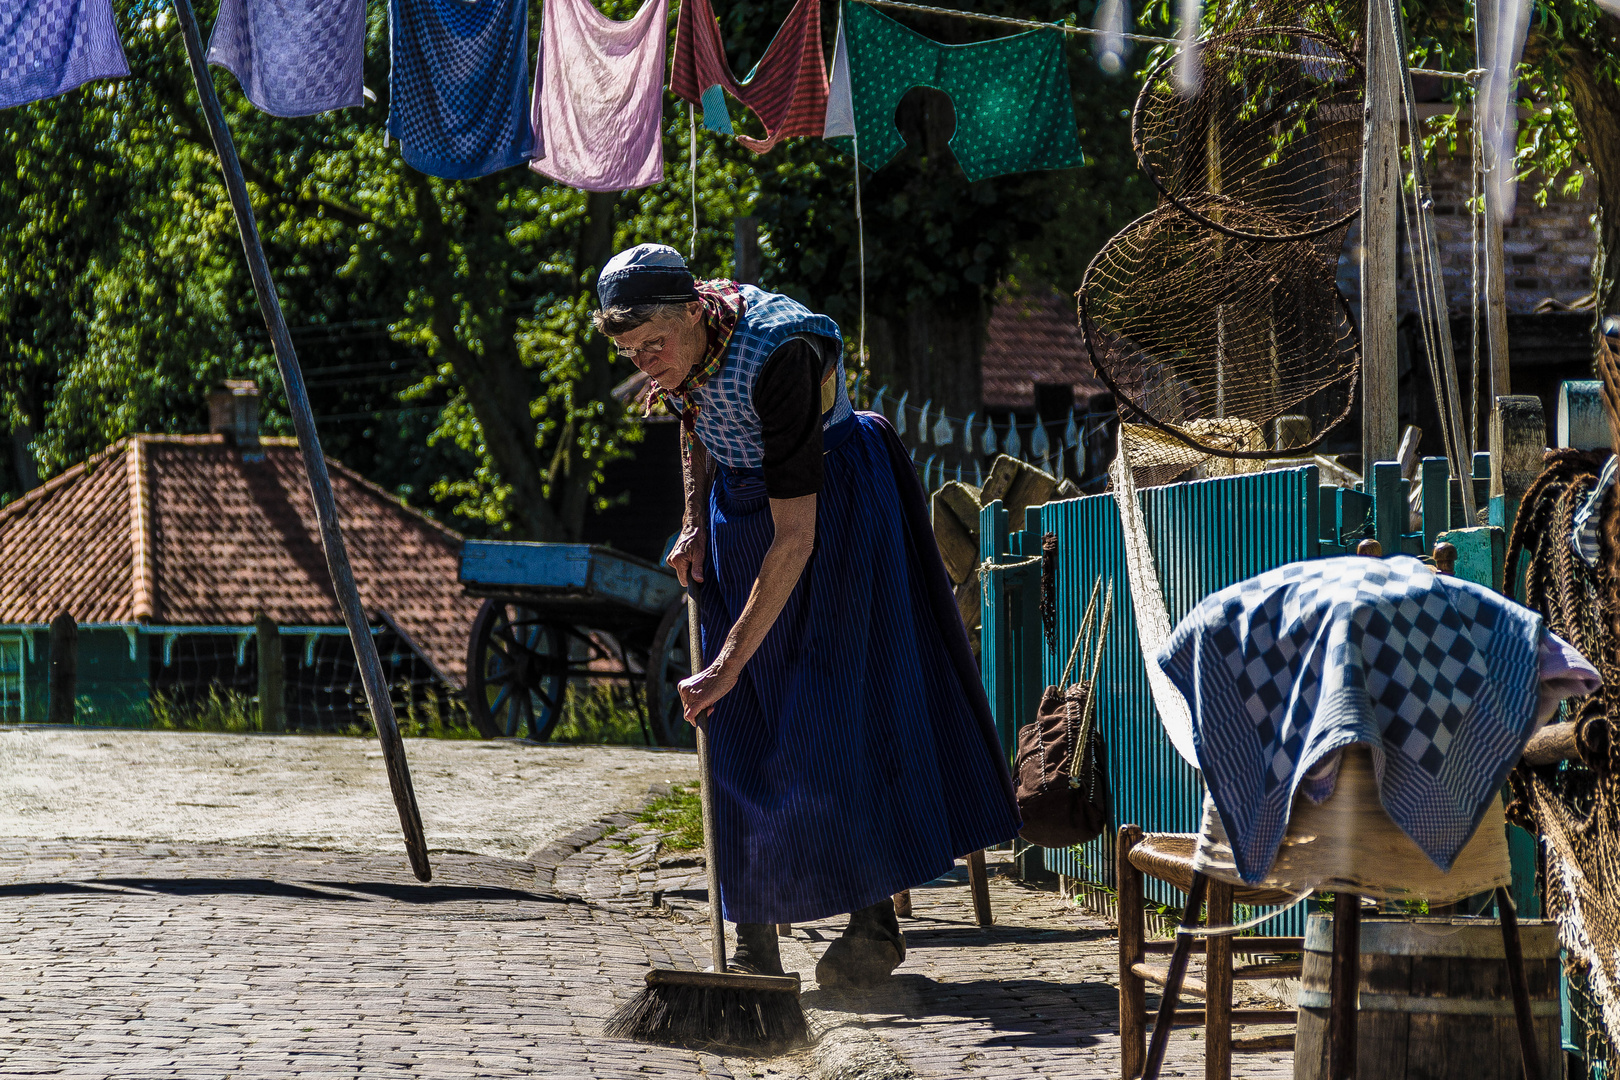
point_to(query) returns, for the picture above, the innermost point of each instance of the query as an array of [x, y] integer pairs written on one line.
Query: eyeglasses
[[652, 347]]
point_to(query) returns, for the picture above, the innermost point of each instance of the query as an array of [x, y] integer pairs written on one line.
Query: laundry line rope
[[1029, 24]]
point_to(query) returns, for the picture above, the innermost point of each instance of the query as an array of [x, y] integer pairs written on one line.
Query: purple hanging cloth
[[599, 96], [293, 57], [48, 47]]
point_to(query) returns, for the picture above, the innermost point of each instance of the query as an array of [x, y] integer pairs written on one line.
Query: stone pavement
[[1035, 995], [140, 960]]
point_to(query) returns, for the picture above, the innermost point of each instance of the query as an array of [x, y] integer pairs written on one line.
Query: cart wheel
[[517, 672], [667, 664]]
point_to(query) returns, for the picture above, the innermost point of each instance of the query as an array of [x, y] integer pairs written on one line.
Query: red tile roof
[[1034, 339], [182, 530]]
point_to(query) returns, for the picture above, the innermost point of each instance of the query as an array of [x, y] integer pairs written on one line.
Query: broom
[[719, 1007]]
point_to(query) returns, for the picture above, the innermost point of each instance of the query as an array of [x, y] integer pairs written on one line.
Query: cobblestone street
[[135, 959]]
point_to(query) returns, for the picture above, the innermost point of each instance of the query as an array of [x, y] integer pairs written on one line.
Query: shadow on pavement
[[1026, 1012]]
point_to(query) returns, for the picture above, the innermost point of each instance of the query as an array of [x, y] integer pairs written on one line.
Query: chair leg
[[1172, 980], [980, 880], [1132, 933], [1519, 984], [1344, 983], [1218, 983]]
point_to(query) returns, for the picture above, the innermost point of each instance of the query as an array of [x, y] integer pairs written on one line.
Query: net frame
[[1164, 73], [1093, 334]]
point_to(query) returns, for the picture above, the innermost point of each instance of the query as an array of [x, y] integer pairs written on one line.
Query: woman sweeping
[[850, 739]]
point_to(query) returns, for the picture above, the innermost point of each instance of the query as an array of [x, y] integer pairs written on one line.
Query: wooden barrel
[[1435, 1000]]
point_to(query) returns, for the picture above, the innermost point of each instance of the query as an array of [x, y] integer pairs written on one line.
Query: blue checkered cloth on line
[[458, 85], [48, 47], [293, 57], [1437, 675]]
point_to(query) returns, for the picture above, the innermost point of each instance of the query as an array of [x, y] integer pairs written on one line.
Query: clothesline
[[1466, 76]]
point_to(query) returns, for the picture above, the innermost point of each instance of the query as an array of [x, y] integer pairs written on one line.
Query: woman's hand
[[686, 557], [702, 691]]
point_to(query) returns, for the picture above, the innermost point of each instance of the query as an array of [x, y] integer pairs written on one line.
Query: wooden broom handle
[[717, 922]]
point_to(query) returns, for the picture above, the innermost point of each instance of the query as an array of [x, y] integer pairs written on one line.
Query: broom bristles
[[712, 1016]]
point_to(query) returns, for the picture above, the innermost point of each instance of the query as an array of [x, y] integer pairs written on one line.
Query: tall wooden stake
[[1495, 278], [1380, 195], [309, 444]]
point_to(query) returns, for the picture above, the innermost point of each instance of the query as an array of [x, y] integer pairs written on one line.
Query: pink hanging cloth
[[599, 97], [787, 88]]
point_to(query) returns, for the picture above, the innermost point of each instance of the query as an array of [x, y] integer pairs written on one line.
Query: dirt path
[[329, 792]]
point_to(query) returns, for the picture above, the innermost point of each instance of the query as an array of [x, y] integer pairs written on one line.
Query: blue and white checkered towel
[[293, 57], [458, 85], [1438, 675], [1583, 537], [48, 47]]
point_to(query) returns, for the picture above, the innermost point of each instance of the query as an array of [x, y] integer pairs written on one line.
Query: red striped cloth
[[787, 90]]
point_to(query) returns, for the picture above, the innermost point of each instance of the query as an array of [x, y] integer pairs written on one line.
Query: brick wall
[[1548, 249]]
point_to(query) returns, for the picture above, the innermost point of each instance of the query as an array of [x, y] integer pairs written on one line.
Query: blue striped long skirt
[[856, 756]]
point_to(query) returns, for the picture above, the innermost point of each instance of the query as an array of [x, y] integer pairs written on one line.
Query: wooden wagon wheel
[[668, 663], [517, 672]]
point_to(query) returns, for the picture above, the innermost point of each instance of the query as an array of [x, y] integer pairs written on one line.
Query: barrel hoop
[[1428, 1006], [1476, 939]]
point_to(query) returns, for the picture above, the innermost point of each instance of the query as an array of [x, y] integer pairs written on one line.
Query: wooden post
[[309, 445], [1344, 986], [1495, 268], [1519, 429], [272, 681], [902, 904], [1132, 988], [1380, 194], [745, 255], [1519, 984], [64, 669], [1218, 987], [979, 879]]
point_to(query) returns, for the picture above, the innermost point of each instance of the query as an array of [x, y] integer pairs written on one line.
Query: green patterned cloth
[[1014, 112]]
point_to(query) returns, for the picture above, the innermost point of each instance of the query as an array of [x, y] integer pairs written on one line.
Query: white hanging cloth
[[1152, 619]]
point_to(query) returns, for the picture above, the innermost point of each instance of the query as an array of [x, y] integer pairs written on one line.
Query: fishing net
[[1575, 807], [1210, 337], [1271, 120]]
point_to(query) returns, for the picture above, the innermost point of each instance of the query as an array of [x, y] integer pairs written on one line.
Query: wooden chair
[[1169, 857]]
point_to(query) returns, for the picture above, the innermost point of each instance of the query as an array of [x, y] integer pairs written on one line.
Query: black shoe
[[757, 952], [867, 953]]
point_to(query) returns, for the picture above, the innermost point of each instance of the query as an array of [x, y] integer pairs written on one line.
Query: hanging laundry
[[48, 47], [787, 88], [458, 85], [1014, 112], [293, 57], [599, 96]]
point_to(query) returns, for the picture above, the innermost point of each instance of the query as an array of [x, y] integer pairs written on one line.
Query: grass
[[601, 714], [679, 815], [231, 712]]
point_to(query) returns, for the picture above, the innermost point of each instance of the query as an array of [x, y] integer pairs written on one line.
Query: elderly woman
[[850, 739]]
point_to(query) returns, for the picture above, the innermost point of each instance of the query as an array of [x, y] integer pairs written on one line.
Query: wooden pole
[[309, 444], [745, 255], [64, 669], [1344, 986], [1132, 988], [1525, 1022], [1218, 987], [1495, 272], [1380, 195], [272, 681]]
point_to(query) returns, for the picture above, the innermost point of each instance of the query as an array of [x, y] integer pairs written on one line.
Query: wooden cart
[[556, 613]]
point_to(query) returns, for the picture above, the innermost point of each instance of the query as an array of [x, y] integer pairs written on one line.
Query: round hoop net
[[1272, 120], [1233, 347]]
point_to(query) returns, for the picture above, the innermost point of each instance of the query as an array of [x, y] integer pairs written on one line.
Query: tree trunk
[[595, 249], [499, 388], [1596, 99], [934, 350]]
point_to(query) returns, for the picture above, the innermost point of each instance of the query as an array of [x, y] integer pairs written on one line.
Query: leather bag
[[1060, 768]]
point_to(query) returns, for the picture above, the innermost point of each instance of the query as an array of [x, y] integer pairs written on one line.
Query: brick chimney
[[233, 411]]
